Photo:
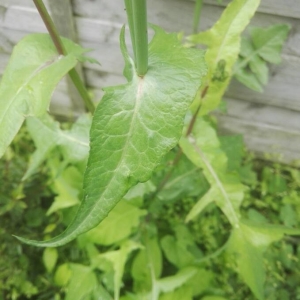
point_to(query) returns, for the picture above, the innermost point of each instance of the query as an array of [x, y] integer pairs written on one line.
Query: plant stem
[[53, 32], [137, 20], [129, 11], [197, 14]]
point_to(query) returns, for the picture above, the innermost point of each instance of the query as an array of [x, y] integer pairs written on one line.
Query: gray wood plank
[[267, 130], [288, 8], [106, 29]]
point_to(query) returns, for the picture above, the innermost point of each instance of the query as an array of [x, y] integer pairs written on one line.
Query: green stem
[[62, 51], [197, 13], [129, 11], [137, 20]]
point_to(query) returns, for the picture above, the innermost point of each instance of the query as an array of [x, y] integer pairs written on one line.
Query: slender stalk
[[62, 51], [129, 11], [197, 14], [139, 9], [137, 21]]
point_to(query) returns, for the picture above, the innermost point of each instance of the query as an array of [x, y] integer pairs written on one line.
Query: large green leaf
[[134, 126], [223, 41], [33, 72]]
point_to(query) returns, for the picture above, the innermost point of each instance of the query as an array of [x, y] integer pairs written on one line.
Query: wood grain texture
[[287, 8], [273, 133]]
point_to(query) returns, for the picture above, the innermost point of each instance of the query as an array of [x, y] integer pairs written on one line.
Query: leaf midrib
[[36, 72], [218, 181], [135, 111]]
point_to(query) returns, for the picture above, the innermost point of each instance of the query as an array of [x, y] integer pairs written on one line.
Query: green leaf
[[265, 46], [83, 282], [66, 188], [47, 135], [177, 250], [33, 71], [186, 181], [268, 42], [117, 226], [134, 126], [204, 150], [248, 242], [213, 298], [62, 274], [184, 292], [147, 265], [50, 256], [223, 41], [170, 283], [135, 195], [248, 79], [118, 259]]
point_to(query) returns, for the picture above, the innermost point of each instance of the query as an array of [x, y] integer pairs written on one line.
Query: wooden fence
[[269, 121]]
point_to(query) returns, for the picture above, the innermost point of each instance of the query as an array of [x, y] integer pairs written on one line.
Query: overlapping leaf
[[33, 72], [134, 126], [47, 135], [223, 41], [225, 188]]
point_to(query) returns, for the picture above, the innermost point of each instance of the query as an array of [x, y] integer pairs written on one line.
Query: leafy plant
[[139, 184], [263, 46]]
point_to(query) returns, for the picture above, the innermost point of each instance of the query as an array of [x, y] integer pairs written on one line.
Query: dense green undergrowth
[[145, 199], [146, 219]]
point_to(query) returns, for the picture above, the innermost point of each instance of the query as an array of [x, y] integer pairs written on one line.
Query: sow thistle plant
[[127, 143]]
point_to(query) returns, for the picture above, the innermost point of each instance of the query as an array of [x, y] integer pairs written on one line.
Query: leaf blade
[[134, 126], [33, 72]]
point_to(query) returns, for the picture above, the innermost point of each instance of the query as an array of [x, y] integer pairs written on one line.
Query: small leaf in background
[[50, 256], [47, 135], [117, 259], [177, 249], [213, 298], [66, 189], [223, 41], [186, 180], [135, 195], [226, 189], [62, 274], [268, 42], [83, 282], [118, 225], [184, 292], [264, 45], [170, 283], [248, 242], [288, 215], [33, 71], [148, 261], [134, 126]]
